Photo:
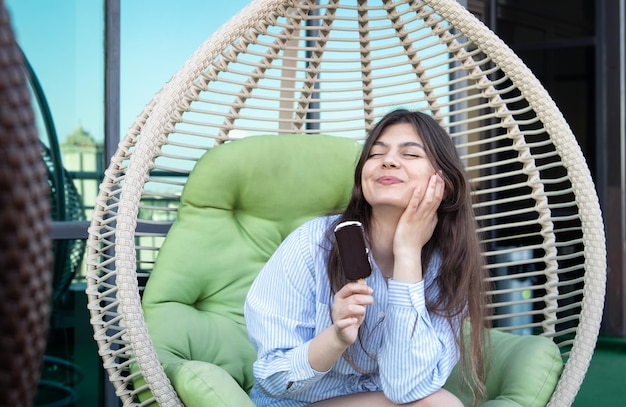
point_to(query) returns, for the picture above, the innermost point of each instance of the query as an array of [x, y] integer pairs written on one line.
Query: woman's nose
[[389, 161]]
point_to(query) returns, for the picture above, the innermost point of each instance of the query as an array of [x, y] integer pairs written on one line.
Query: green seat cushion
[[240, 201], [522, 371], [200, 383]]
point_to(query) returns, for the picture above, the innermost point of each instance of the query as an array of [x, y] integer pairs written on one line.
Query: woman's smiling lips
[[388, 180]]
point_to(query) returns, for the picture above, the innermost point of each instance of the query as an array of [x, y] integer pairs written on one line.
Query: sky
[[63, 41]]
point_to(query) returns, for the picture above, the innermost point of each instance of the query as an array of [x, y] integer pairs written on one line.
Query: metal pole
[[313, 117]]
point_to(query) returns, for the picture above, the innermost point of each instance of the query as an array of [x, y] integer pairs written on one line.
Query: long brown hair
[[461, 277]]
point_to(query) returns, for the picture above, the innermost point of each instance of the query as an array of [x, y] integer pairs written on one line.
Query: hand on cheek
[[419, 219]]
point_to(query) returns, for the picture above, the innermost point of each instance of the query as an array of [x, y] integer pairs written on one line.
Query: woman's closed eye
[[413, 154]]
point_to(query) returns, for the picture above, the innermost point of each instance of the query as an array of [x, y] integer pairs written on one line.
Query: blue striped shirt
[[409, 353]]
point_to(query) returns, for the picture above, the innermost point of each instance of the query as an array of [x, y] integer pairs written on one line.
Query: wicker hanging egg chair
[[306, 67]]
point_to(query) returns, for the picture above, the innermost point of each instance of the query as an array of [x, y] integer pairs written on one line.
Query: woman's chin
[[389, 205]]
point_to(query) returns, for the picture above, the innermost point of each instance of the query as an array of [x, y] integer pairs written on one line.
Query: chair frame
[[119, 260]]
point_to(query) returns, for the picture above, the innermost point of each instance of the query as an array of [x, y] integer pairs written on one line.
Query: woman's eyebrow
[[412, 144]]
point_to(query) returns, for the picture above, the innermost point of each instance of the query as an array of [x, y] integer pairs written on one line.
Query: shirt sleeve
[[419, 349], [280, 317]]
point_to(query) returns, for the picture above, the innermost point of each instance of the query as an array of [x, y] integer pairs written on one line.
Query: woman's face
[[397, 164]]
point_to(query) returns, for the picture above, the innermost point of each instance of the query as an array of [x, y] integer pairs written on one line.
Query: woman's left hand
[[417, 224]]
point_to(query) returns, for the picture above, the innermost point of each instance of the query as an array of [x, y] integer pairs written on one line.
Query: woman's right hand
[[349, 310]]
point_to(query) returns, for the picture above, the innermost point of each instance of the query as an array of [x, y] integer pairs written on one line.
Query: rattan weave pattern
[[25, 245], [334, 67]]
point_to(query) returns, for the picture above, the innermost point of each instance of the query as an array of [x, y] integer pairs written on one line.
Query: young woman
[[394, 340]]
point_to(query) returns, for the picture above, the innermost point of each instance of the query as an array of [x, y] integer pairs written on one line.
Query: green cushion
[[241, 200], [200, 383], [521, 371]]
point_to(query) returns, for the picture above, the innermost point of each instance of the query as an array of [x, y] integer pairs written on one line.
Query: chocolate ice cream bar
[[353, 252]]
